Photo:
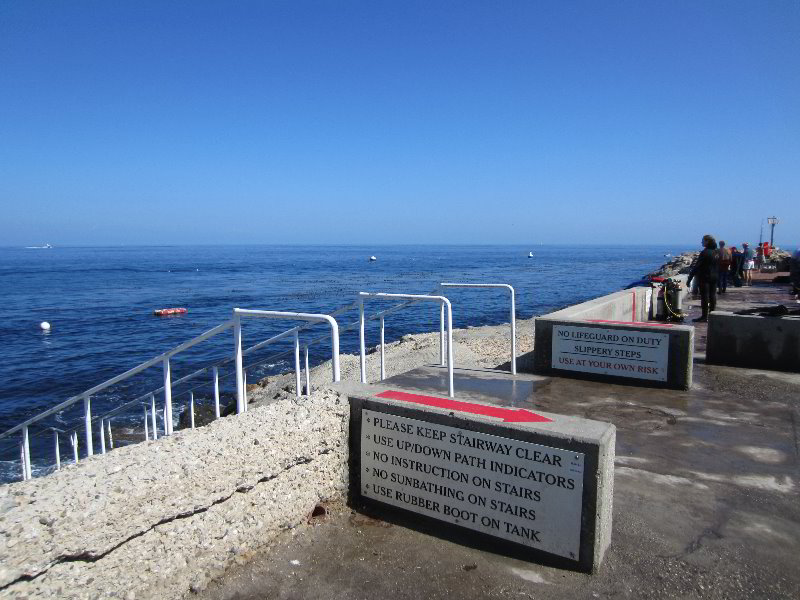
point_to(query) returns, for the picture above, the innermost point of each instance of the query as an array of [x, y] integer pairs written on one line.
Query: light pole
[[772, 222]]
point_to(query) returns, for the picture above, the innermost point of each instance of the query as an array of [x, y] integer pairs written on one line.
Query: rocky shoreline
[[679, 265], [682, 263]]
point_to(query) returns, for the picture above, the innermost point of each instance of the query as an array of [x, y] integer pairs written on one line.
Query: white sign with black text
[[620, 352], [523, 492]]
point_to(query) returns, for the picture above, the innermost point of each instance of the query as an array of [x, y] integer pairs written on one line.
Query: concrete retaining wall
[[625, 308], [634, 304], [158, 519], [754, 342], [625, 305]]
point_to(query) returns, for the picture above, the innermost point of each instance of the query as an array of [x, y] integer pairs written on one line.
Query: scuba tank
[[673, 302]]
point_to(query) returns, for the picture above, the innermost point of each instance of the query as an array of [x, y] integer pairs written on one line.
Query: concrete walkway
[[706, 503]]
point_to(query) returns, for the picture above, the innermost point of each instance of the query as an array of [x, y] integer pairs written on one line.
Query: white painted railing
[[164, 359], [513, 312], [148, 401], [444, 304], [238, 313]]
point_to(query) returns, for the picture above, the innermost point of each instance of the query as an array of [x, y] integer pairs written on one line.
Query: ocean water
[[100, 304]]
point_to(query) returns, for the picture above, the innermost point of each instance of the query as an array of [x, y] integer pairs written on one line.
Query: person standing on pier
[[736, 266], [749, 263], [724, 265], [706, 270]]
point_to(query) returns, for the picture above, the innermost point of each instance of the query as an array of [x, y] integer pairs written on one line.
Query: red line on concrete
[[637, 323], [507, 414]]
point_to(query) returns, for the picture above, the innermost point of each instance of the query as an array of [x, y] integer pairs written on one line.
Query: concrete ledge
[[753, 342], [159, 519], [544, 488], [633, 304], [625, 305], [620, 360]]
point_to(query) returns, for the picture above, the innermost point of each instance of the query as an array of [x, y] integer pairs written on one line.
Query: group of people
[[713, 267], [738, 264]]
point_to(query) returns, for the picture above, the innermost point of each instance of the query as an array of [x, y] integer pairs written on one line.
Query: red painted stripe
[[507, 414], [637, 323]]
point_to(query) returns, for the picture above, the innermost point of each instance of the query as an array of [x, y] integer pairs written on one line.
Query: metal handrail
[[513, 312], [238, 313], [443, 302], [164, 359], [123, 376], [214, 366], [141, 400], [240, 369]]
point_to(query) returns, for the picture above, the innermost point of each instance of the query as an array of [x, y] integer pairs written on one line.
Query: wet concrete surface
[[706, 502], [475, 385]]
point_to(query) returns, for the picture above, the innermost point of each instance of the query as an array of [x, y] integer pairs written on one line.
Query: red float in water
[[163, 312]]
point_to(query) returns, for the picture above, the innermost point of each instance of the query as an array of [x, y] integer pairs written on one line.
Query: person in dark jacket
[[706, 270], [736, 266]]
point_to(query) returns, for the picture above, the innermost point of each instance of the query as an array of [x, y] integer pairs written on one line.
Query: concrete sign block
[[541, 482], [656, 355], [637, 354]]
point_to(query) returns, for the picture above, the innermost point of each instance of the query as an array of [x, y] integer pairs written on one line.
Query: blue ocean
[[100, 302]]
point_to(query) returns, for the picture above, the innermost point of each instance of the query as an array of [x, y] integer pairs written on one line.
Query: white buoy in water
[[44, 326]]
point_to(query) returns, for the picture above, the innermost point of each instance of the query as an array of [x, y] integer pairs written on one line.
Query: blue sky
[[398, 122]]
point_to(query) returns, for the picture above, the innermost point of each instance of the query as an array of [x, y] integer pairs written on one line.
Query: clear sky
[[135, 122]]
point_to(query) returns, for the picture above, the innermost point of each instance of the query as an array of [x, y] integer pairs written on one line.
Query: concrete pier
[[706, 495], [706, 503]]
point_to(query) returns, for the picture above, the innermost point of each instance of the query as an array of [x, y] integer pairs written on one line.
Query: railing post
[[58, 452], [361, 340], [110, 437], [513, 333], [451, 392], [73, 439], [335, 350], [146, 427], [383, 357], [297, 364], [237, 351], [22, 465], [244, 379], [441, 334], [308, 373], [103, 436], [215, 371], [87, 417], [27, 448], [191, 409], [167, 397], [153, 416]]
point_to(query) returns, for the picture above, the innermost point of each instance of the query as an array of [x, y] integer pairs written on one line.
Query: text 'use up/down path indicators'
[[542, 482], [526, 493]]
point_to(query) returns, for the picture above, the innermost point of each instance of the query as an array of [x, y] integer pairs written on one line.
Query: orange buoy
[[163, 312]]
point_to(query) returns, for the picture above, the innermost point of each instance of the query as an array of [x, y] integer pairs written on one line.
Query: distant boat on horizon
[[45, 247], [373, 258], [530, 254]]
